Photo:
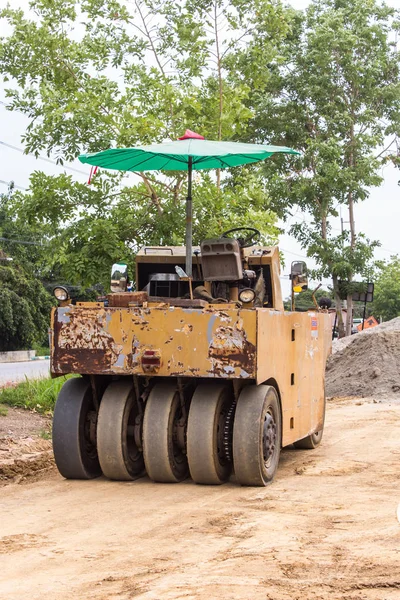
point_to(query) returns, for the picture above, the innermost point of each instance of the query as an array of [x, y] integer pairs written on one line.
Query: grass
[[45, 434], [34, 394], [3, 410], [41, 350]]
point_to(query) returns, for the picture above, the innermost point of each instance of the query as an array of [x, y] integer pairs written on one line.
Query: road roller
[[203, 376]]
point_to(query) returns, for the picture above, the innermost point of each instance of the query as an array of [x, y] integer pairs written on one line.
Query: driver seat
[[221, 260]]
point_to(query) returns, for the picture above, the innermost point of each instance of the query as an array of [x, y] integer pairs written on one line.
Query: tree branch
[[152, 193], [387, 148], [219, 70], [148, 35]]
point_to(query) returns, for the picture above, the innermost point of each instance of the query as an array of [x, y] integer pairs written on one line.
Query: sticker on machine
[[314, 327]]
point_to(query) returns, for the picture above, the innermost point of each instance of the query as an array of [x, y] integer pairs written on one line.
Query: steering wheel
[[246, 241]]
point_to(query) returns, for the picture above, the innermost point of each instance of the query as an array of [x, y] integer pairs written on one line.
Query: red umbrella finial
[[191, 135]]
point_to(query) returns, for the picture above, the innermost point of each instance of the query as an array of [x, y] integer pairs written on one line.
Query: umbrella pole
[[189, 212]]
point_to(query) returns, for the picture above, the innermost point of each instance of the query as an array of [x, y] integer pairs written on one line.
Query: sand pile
[[366, 364]]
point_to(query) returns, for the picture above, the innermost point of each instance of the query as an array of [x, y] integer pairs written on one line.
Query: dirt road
[[325, 529]]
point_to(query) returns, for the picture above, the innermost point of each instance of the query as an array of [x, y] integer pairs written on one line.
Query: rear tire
[[163, 456], [119, 456], [74, 451], [310, 442], [205, 435], [257, 434]]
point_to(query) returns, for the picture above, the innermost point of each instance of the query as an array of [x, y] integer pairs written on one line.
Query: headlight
[[61, 293], [247, 295]]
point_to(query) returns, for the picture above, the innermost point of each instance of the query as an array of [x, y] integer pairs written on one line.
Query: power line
[[53, 162], [40, 157], [294, 253], [390, 251], [8, 183]]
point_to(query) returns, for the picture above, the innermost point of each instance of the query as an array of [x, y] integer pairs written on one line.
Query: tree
[[335, 95], [386, 302], [24, 309], [22, 241], [131, 74], [304, 300], [24, 302]]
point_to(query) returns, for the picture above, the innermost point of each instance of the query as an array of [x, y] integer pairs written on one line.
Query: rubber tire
[[158, 448], [71, 451], [202, 433], [117, 408], [253, 404], [310, 442]]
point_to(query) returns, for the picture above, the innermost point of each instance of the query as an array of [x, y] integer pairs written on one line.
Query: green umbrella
[[190, 153]]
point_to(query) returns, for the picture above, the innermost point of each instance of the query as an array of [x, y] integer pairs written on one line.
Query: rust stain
[[113, 340], [83, 345], [193, 370], [133, 357], [230, 348]]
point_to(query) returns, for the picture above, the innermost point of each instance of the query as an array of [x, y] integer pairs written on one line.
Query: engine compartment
[[223, 271]]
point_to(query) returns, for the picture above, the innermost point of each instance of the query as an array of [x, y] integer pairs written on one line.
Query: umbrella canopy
[[174, 156], [190, 153]]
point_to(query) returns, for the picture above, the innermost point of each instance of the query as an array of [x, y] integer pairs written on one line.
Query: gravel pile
[[366, 364]]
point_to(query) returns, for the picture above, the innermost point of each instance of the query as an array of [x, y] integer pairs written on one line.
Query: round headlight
[[61, 293], [247, 295]]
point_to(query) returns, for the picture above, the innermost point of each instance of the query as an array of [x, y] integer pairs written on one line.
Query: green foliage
[[39, 395], [24, 303], [386, 302], [325, 81], [41, 350], [304, 300], [335, 94], [22, 241], [3, 410], [131, 74], [335, 256]]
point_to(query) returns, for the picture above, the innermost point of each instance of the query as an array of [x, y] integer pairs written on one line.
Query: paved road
[[19, 370]]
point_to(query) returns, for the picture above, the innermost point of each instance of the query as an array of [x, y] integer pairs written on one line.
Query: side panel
[[188, 342], [292, 349]]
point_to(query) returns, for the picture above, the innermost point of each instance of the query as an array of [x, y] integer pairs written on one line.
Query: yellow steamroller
[[199, 374]]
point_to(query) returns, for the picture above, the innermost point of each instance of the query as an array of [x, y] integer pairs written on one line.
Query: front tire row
[[173, 433]]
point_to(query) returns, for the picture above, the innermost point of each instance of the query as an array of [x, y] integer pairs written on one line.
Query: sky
[[378, 216]]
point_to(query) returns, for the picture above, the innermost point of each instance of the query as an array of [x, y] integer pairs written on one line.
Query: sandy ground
[[325, 529], [25, 448]]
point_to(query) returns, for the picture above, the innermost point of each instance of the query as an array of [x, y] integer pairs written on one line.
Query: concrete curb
[[17, 356]]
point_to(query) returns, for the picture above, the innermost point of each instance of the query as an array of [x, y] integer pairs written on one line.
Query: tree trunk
[[338, 302], [339, 313], [349, 316], [220, 85]]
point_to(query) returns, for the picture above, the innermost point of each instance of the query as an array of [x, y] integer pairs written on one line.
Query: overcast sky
[[378, 216]]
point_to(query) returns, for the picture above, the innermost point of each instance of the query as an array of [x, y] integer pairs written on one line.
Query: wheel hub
[[269, 437]]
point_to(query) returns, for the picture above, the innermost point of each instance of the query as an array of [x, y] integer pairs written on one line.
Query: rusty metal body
[[163, 337]]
